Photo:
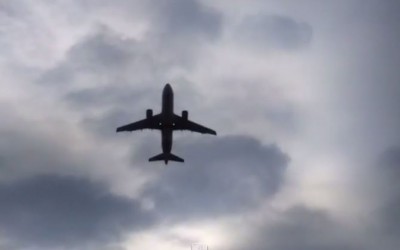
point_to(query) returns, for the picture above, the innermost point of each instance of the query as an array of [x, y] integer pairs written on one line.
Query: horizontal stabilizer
[[166, 157]]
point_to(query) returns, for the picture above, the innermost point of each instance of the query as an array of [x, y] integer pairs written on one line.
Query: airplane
[[167, 122]]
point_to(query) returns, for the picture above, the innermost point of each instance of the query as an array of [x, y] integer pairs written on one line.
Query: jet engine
[[185, 114], [149, 113]]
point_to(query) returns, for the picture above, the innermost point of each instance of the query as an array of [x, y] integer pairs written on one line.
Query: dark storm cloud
[[371, 88], [125, 105], [181, 28], [112, 80], [10, 9], [389, 166], [117, 105], [221, 175], [302, 228], [305, 228], [106, 96], [273, 31], [104, 49], [105, 124], [170, 21], [104, 77], [20, 155], [186, 18], [386, 218], [105, 69], [103, 57], [108, 57], [53, 211]]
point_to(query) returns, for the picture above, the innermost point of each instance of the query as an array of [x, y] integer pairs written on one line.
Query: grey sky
[[51, 211], [239, 174], [304, 96]]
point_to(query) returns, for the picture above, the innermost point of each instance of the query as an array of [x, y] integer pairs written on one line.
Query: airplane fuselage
[[167, 114], [167, 122]]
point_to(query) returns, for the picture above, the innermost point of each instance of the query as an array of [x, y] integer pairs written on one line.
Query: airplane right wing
[[185, 124], [147, 123]]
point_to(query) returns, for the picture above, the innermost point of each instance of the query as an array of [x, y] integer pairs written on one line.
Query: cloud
[[107, 56], [105, 75], [181, 29], [102, 64], [384, 222], [20, 155], [274, 31], [52, 211], [101, 57], [302, 228], [186, 18], [220, 176], [105, 68], [111, 79]]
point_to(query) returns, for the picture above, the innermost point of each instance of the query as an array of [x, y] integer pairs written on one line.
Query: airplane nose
[[167, 86]]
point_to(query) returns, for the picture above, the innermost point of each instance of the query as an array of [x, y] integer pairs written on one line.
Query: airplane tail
[[166, 157]]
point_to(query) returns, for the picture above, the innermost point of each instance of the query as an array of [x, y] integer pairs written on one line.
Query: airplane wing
[[182, 124], [148, 123]]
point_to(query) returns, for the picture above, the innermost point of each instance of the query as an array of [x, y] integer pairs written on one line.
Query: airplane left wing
[[184, 124], [148, 123]]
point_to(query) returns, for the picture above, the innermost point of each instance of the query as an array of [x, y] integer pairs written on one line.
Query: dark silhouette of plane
[[167, 122]]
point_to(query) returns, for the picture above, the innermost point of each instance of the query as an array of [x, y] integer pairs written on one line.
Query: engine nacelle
[[149, 113], [185, 114]]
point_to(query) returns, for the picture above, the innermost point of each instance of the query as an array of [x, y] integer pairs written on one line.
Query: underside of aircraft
[[167, 121]]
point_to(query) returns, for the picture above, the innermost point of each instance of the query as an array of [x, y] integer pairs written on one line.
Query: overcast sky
[[304, 96]]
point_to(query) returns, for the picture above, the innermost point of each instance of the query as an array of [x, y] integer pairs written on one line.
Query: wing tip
[[212, 132], [120, 129]]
